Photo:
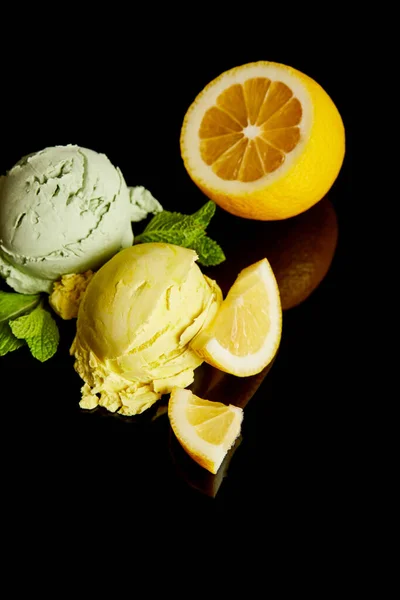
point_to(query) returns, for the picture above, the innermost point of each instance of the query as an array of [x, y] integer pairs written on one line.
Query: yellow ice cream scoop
[[137, 317]]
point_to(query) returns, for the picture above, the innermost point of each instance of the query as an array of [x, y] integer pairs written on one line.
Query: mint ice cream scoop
[[65, 209]]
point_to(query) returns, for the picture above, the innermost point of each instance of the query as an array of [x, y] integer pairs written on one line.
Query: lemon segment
[[206, 430]]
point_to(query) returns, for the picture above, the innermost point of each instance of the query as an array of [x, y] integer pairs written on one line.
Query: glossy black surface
[[290, 453]]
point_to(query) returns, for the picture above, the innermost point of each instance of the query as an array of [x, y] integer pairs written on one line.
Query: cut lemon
[[206, 430], [244, 336], [264, 141]]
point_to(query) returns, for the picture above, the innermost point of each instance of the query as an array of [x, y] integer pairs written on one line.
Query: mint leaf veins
[[13, 305], [187, 231], [40, 332], [8, 341]]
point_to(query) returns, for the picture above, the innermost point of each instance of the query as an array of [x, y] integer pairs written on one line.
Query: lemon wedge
[[244, 336], [206, 430]]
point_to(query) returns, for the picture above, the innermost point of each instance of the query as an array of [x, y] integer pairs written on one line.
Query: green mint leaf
[[40, 332], [168, 237], [45, 345], [208, 251], [187, 231], [163, 221], [8, 341], [29, 325], [185, 237], [12, 305], [204, 215], [174, 221]]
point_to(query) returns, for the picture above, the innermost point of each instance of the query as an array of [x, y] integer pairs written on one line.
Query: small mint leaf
[[163, 221], [40, 331], [28, 325], [209, 252], [204, 215]]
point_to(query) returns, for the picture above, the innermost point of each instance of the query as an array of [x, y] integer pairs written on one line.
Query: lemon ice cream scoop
[[135, 321], [65, 209]]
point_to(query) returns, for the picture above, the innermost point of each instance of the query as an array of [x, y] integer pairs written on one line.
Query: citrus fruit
[[206, 430], [245, 333], [263, 140]]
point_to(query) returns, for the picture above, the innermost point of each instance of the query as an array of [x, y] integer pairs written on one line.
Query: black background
[[128, 99]]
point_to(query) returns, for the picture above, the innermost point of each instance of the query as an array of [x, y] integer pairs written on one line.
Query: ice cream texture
[[65, 209], [68, 293], [135, 321]]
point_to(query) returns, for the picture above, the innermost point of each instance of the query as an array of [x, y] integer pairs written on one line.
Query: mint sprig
[[24, 321], [188, 231]]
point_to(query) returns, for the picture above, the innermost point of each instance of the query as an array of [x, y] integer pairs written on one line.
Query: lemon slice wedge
[[206, 430], [244, 336]]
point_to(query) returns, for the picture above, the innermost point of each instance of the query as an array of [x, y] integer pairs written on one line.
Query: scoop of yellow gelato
[[135, 321], [68, 292]]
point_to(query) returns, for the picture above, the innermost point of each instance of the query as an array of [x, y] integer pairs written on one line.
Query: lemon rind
[[207, 455]]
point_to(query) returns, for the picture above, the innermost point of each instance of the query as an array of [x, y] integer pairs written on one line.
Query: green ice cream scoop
[[65, 209]]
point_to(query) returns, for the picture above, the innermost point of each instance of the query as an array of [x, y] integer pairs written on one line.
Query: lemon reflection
[[300, 251]]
